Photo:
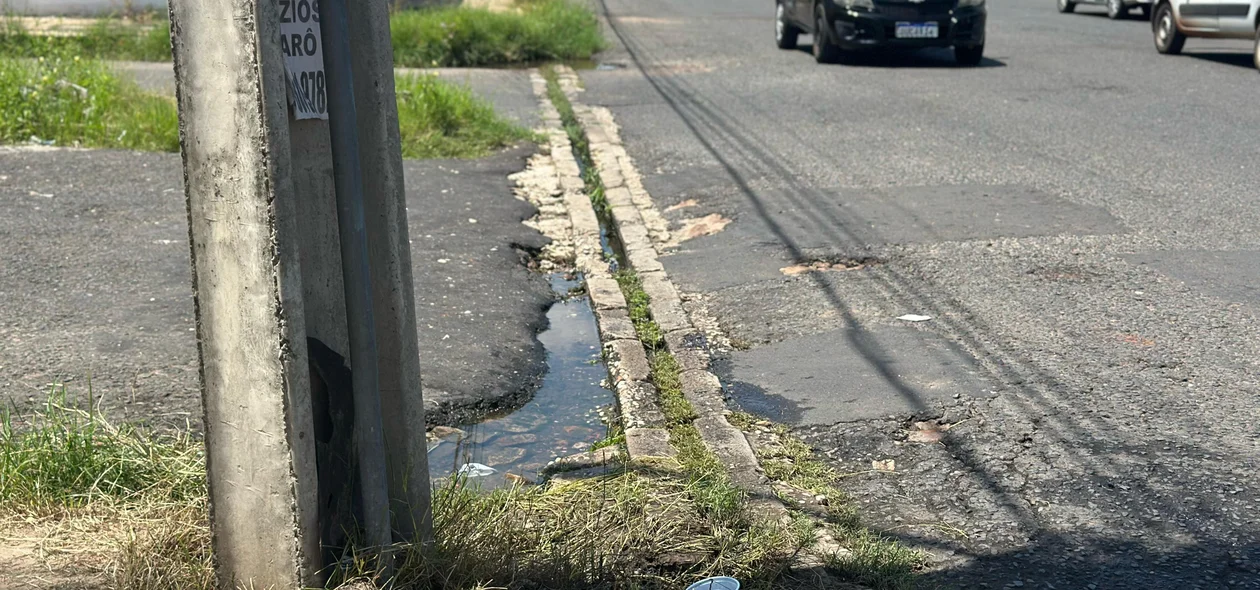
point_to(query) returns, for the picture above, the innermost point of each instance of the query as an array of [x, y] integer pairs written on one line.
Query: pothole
[[829, 265], [928, 431], [564, 417]]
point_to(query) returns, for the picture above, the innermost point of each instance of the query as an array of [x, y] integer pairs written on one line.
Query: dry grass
[[102, 505], [87, 504]]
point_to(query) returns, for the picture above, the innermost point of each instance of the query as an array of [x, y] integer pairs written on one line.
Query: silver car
[[1175, 20]]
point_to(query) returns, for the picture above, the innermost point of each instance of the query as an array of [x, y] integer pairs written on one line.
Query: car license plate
[[917, 31]]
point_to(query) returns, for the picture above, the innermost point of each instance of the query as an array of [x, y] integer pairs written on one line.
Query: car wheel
[[1168, 38], [969, 56], [1255, 52], [785, 33], [825, 51], [1116, 9], [1146, 11], [1066, 6]]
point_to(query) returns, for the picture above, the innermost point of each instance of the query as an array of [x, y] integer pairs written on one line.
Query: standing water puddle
[[563, 417]]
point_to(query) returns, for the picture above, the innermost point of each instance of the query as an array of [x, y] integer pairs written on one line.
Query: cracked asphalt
[[1079, 218]]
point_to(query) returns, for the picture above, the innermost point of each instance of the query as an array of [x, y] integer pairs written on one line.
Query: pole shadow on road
[[932, 58], [1090, 550]]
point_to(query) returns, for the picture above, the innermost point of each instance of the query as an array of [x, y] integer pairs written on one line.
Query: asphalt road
[[1078, 216], [95, 285]]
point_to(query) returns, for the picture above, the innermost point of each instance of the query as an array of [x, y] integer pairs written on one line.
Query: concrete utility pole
[[310, 367]]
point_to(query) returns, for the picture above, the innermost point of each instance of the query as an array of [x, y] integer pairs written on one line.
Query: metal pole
[[348, 177]]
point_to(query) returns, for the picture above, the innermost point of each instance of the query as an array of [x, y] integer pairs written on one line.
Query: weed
[[872, 559], [666, 374], [138, 509], [875, 560], [440, 120], [638, 304], [611, 441], [133, 502], [541, 30], [106, 39], [581, 146], [74, 101], [66, 457]]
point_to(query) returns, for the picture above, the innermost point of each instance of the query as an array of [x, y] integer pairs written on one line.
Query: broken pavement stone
[[517, 480], [644, 260], [704, 391], [503, 456], [515, 439], [446, 431], [665, 304], [926, 432], [649, 443], [605, 293], [583, 460], [615, 324], [639, 405], [627, 360]]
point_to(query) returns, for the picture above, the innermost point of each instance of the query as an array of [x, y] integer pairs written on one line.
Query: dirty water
[[564, 416]]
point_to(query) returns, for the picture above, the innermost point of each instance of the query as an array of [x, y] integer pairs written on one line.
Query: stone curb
[[569, 218], [641, 228]]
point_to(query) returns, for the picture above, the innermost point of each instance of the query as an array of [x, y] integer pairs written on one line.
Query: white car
[[1175, 20], [1116, 9]]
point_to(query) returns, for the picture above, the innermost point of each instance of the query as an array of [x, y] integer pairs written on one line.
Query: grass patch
[[875, 560], [441, 120], [65, 457], [72, 101], [541, 30], [612, 441], [107, 38], [134, 503], [114, 504], [637, 302]]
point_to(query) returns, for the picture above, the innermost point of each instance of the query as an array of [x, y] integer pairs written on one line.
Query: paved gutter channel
[[635, 228], [563, 419], [638, 227], [565, 416]]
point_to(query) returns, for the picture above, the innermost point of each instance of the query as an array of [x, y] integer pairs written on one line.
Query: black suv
[[841, 27]]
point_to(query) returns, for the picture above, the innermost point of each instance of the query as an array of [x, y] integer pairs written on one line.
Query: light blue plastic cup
[[716, 583]]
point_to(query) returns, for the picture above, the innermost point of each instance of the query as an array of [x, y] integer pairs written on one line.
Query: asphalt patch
[[851, 374], [1230, 276]]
